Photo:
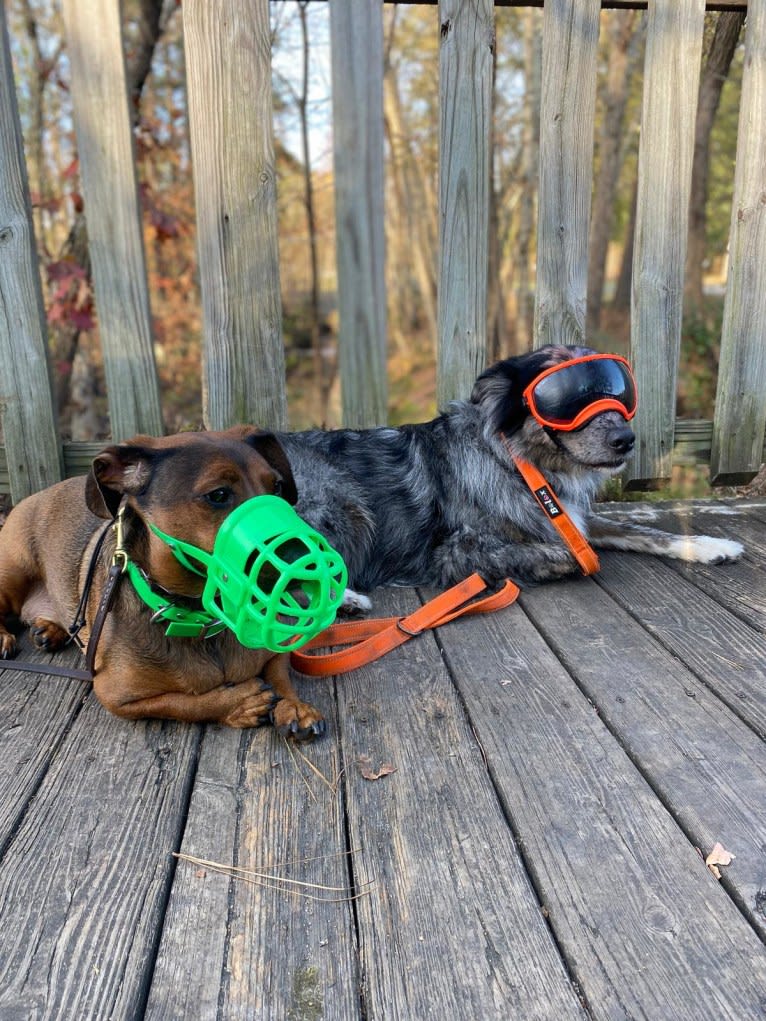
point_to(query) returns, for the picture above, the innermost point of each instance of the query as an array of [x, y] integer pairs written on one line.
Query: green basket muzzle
[[271, 579]]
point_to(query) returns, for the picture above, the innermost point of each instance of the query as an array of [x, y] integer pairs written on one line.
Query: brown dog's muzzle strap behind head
[[368, 640], [116, 571], [104, 606], [107, 594]]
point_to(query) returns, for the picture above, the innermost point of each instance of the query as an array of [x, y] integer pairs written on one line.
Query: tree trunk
[[621, 30], [525, 302], [625, 279], [497, 331], [415, 207], [142, 27], [36, 160], [322, 373], [714, 73]]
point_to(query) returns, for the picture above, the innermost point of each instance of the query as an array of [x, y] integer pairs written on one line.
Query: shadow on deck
[[551, 779]]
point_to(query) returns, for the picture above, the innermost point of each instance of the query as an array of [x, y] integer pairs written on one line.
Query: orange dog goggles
[[567, 396]]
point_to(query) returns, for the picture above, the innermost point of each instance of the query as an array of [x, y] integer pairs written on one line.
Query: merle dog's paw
[[707, 549], [354, 604]]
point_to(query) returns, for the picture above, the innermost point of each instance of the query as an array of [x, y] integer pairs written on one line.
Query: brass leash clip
[[120, 555]]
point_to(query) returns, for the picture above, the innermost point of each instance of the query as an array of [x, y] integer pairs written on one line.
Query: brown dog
[[185, 485]]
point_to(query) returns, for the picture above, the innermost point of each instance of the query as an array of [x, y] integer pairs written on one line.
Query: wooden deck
[[560, 771]]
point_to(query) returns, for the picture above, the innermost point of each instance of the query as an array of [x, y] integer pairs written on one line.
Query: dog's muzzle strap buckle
[[368, 640]]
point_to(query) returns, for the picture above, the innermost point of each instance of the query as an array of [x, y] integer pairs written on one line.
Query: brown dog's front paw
[[7, 644], [48, 635], [253, 710], [298, 720]]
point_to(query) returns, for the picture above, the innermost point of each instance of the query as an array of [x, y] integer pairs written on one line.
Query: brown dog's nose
[[622, 440]]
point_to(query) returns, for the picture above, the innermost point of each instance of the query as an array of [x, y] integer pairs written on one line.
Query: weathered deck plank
[[291, 948], [727, 654], [84, 880], [261, 945], [534, 854], [742, 589], [452, 928], [707, 766], [620, 881], [191, 957], [36, 716]]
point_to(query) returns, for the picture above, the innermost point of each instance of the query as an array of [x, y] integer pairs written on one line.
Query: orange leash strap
[[581, 549], [368, 640]]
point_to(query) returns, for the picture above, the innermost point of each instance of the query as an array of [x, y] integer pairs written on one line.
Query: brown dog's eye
[[277, 487], [219, 497]]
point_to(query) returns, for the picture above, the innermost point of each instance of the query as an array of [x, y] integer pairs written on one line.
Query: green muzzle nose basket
[[273, 580]]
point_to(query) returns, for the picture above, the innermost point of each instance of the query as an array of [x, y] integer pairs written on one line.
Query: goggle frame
[[594, 408]]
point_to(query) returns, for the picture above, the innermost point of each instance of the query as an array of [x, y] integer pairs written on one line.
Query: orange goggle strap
[[368, 640], [578, 545]]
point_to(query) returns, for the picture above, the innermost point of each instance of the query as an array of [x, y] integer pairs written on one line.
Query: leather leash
[[368, 640], [371, 638]]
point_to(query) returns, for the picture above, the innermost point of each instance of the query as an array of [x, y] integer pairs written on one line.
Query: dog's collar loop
[[554, 510], [182, 621]]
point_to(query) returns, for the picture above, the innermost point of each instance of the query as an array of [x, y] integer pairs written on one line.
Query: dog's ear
[[499, 393], [499, 390], [271, 450], [117, 470]]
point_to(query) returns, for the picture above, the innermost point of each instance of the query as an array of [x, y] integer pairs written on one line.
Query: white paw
[[355, 602], [706, 549]]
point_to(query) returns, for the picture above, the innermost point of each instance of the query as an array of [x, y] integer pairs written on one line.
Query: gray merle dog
[[429, 504]]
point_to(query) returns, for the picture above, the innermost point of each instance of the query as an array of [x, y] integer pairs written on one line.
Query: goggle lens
[[569, 395]]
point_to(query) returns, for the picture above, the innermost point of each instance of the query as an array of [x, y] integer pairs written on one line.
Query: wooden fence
[[230, 110]]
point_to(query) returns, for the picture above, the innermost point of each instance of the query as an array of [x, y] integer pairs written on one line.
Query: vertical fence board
[[567, 113], [356, 33], [740, 418], [228, 60], [228, 64], [115, 237], [466, 55], [672, 68], [26, 408]]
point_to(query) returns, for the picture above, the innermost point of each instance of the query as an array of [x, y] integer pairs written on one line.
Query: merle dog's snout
[[622, 440]]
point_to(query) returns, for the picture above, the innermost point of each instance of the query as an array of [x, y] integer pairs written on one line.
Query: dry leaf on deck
[[365, 768], [718, 856]]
